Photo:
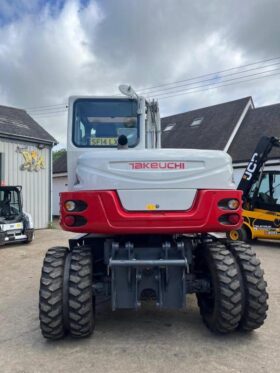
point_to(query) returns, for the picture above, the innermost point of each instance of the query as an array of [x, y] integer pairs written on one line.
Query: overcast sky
[[51, 49]]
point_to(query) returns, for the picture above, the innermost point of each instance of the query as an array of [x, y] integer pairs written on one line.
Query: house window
[[169, 127], [196, 122]]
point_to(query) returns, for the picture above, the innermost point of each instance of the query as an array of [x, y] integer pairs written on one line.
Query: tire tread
[[51, 294], [81, 301], [255, 294], [228, 302]]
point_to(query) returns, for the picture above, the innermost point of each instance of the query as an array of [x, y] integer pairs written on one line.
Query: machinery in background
[[15, 224], [261, 196]]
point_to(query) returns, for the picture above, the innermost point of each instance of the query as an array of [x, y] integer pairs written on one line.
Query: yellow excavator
[[261, 196]]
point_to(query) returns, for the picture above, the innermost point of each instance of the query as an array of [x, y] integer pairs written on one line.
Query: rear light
[[229, 219], [74, 220], [233, 219], [229, 204], [75, 205], [233, 204], [70, 205], [69, 220]]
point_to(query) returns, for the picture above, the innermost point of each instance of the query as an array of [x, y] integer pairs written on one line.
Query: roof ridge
[[12, 107], [266, 106], [210, 106]]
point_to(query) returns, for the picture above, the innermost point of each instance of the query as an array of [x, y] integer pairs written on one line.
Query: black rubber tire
[[221, 310], [30, 236], [254, 286], [242, 235], [81, 302], [51, 293]]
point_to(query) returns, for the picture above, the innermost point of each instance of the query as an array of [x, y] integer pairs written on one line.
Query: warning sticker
[[104, 141]]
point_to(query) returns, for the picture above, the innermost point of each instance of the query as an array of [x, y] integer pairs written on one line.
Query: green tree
[[58, 153]]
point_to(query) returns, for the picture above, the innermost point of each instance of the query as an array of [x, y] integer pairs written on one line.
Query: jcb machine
[[144, 214], [261, 196]]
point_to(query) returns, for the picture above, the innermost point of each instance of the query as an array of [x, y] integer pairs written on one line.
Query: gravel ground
[[126, 341]]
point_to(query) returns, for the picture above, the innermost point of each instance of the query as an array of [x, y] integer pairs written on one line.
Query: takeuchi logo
[[33, 161], [157, 165]]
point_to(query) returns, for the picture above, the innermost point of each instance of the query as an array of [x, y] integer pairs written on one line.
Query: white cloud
[[44, 59]]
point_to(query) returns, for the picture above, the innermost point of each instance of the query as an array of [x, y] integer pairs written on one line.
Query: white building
[[26, 160]]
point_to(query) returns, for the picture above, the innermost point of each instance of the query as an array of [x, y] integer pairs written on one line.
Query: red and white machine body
[[145, 214], [144, 188]]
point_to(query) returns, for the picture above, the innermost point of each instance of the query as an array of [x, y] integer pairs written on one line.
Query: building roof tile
[[262, 121], [18, 123], [216, 125]]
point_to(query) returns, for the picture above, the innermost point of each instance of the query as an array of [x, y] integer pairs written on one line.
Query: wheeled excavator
[[143, 216]]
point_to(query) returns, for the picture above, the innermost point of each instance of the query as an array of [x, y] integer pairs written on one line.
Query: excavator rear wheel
[[81, 302], [66, 302], [254, 286], [221, 308], [51, 294]]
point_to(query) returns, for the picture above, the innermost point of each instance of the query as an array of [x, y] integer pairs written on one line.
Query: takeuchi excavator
[[261, 196], [143, 215]]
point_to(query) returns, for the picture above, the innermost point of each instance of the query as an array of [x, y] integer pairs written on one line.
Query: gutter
[[238, 124], [28, 139]]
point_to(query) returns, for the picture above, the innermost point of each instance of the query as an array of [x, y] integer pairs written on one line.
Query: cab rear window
[[98, 123]]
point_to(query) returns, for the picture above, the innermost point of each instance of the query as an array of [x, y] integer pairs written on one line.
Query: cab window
[[98, 123], [268, 194]]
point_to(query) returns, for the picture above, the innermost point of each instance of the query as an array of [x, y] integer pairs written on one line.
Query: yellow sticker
[[151, 206], [104, 141]]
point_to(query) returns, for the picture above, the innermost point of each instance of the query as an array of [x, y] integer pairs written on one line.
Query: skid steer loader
[[15, 224], [143, 214]]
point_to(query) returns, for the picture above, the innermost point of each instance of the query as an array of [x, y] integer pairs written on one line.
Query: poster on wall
[[32, 160]]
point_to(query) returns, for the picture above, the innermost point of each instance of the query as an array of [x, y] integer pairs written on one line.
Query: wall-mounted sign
[[33, 161]]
